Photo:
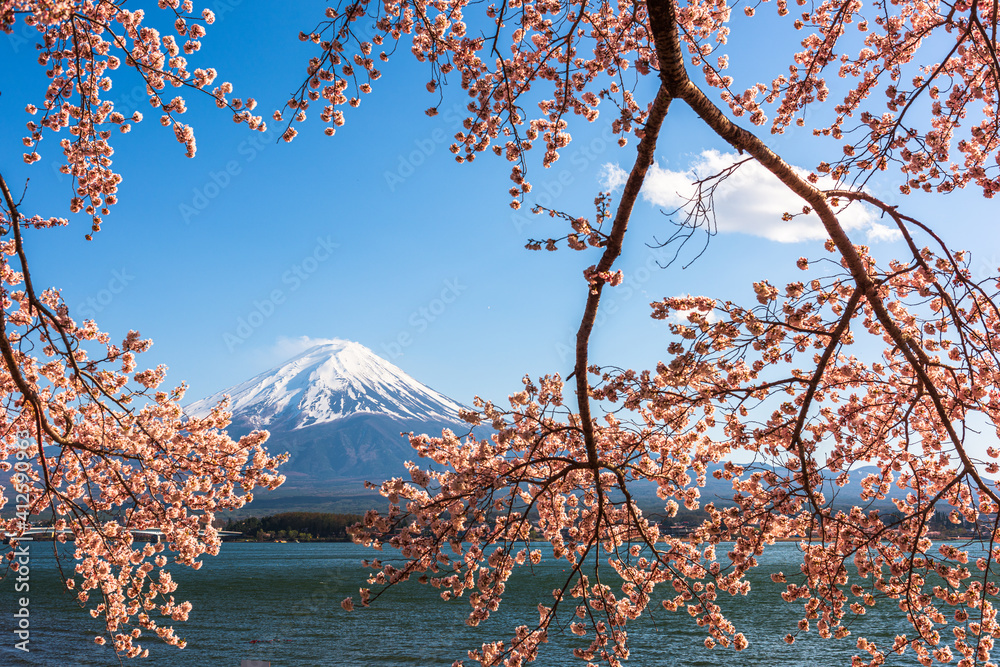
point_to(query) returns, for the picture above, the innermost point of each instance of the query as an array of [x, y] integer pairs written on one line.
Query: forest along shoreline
[[332, 527], [294, 527], [328, 527]]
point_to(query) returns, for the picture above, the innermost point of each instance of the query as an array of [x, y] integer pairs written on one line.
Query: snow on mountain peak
[[326, 383]]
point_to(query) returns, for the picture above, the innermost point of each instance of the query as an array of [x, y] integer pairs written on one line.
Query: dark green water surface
[[281, 602]]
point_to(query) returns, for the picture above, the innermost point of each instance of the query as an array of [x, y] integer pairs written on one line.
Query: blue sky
[[236, 259]]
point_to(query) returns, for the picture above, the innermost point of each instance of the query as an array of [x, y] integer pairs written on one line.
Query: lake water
[[281, 602]]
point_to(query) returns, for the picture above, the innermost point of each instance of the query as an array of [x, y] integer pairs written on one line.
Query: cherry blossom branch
[[675, 80], [644, 159], [795, 442]]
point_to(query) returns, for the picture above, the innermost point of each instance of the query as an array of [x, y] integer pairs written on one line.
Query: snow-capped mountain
[[338, 410], [326, 383]]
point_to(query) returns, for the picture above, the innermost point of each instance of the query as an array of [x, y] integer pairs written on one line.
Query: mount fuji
[[338, 410]]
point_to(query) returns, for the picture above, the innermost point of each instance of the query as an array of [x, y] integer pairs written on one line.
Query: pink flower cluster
[[80, 45], [95, 444]]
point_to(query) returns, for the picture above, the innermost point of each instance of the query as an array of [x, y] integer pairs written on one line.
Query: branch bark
[[643, 160], [673, 77]]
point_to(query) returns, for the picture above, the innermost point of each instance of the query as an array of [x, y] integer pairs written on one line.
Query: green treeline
[[310, 526], [301, 526]]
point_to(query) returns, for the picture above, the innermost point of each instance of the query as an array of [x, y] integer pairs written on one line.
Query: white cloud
[[880, 232], [611, 177], [285, 348], [750, 201]]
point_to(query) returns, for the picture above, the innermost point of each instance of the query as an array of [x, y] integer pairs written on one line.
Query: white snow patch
[[328, 382]]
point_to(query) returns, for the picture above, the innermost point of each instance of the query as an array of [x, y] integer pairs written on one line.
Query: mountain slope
[[326, 383], [338, 409]]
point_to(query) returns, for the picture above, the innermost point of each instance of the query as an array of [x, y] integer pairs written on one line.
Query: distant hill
[[720, 491]]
